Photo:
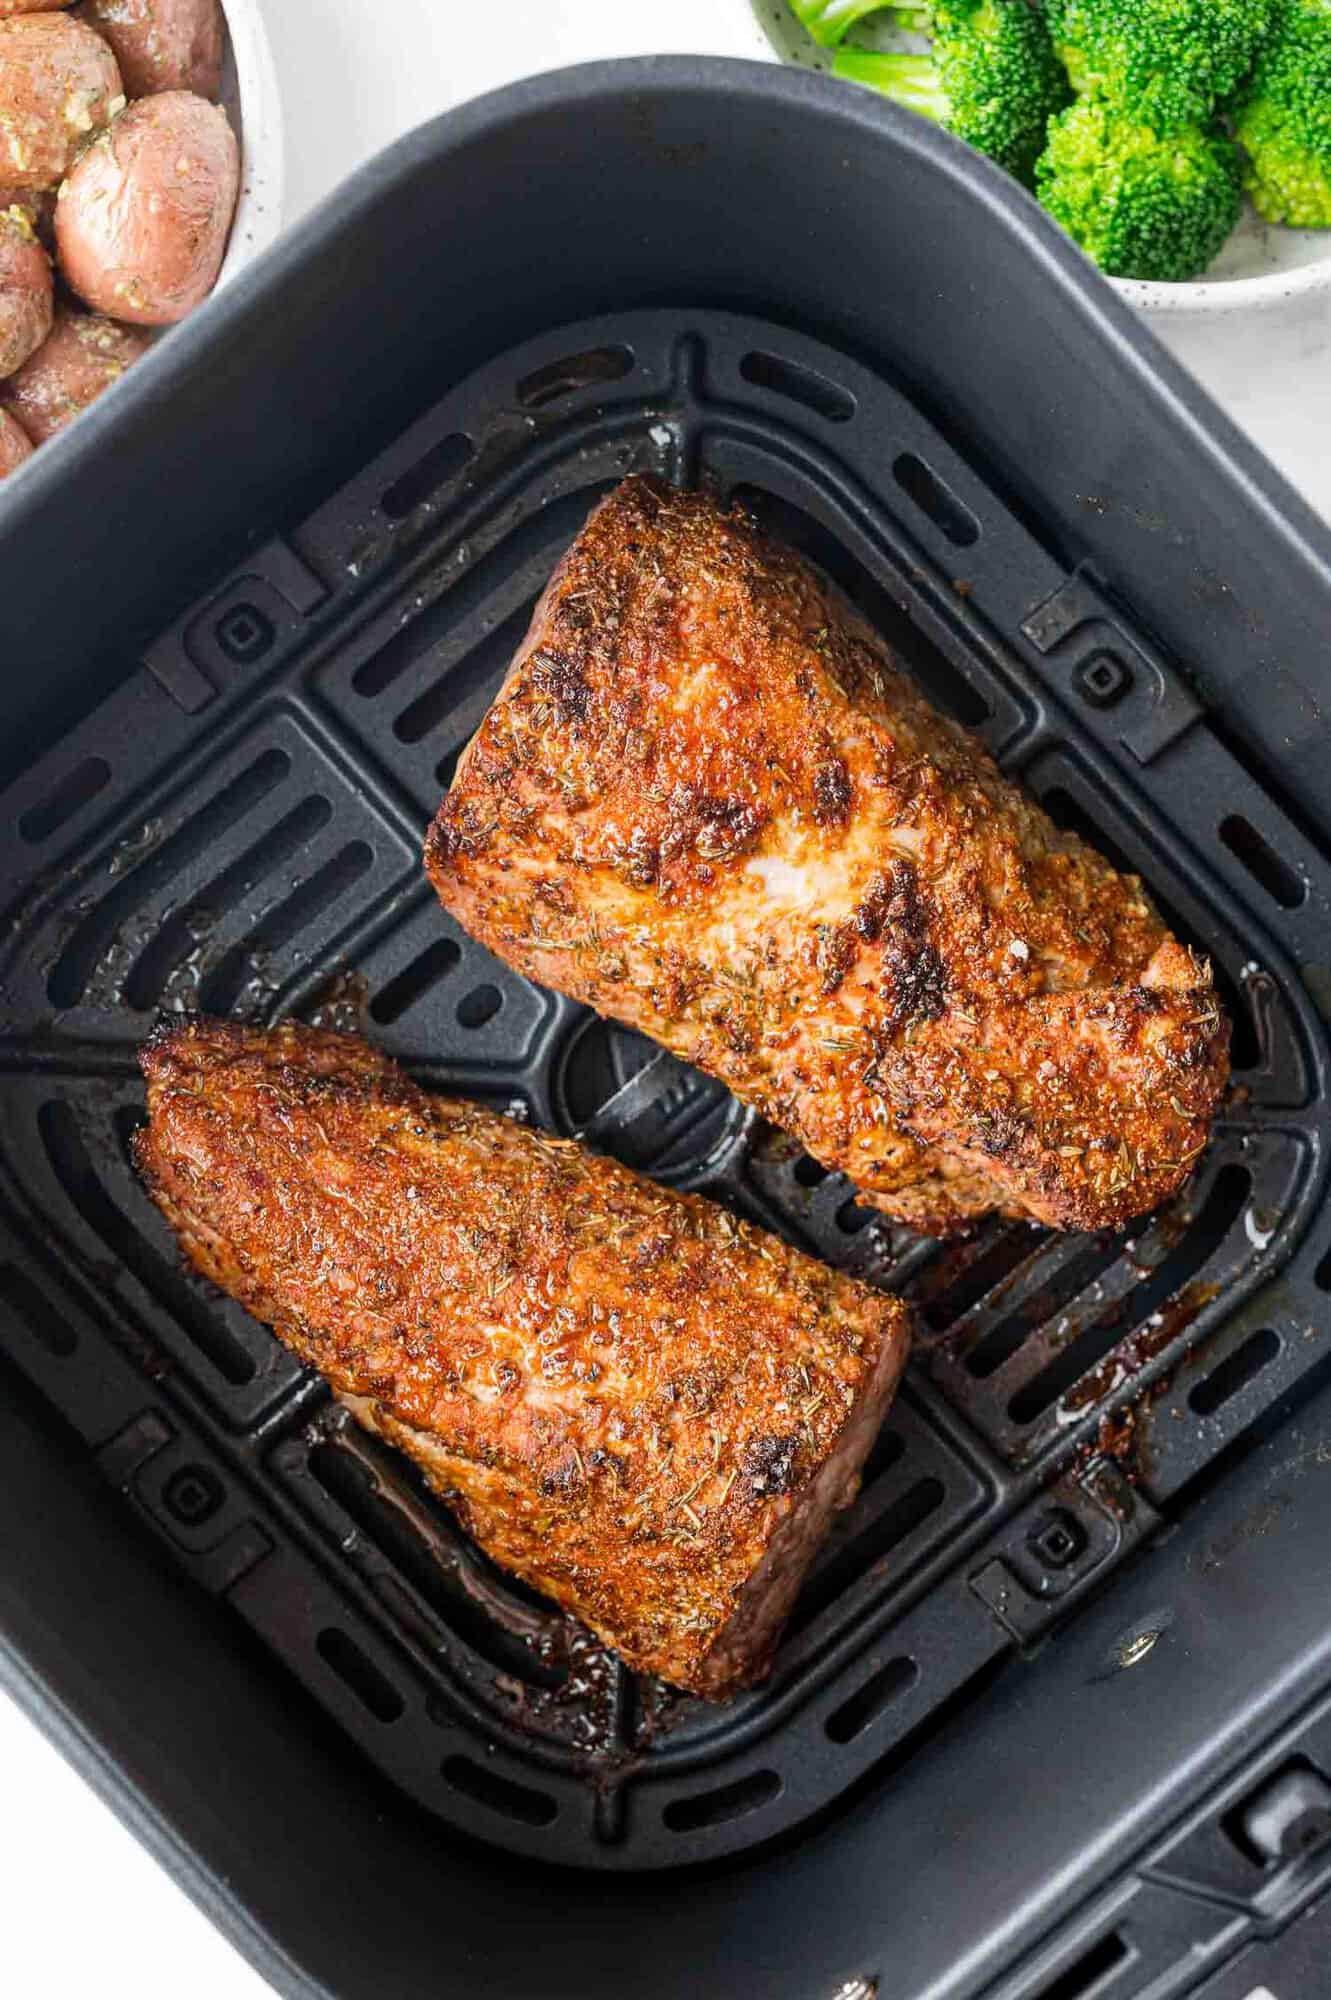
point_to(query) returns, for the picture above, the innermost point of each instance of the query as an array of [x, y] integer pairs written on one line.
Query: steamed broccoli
[[1167, 63], [1283, 119], [828, 20], [992, 77], [1142, 205]]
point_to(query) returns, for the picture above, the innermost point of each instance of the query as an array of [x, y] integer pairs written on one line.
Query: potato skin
[[80, 358], [58, 83], [142, 221], [15, 444], [161, 44], [8, 7], [26, 302]]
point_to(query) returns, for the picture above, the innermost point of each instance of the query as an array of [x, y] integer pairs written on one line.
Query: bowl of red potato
[[124, 195]]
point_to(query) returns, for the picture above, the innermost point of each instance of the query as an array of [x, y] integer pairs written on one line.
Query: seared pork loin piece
[[708, 803], [641, 1406]]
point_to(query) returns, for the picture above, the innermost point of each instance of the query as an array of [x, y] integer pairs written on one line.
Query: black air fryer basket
[[1053, 1716]]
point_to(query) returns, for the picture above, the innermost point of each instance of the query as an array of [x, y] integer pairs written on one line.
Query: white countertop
[[85, 1910]]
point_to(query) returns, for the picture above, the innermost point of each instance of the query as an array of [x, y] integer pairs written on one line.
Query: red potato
[[142, 221], [81, 357], [58, 83], [26, 301], [15, 444], [161, 44]]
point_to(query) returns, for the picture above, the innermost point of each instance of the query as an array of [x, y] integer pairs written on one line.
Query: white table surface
[[84, 1910]]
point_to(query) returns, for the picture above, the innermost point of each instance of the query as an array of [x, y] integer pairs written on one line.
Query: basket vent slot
[[529, 551], [466, 678], [597, 366], [1223, 1207], [75, 790], [480, 1006], [441, 463], [946, 1293], [89, 942], [1043, 1303], [1262, 862], [723, 1803], [476, 1603], [1271, 780], [1244, 1365], [180, 937], [1086, 1977], [354, 1667], [488, 1788], [888, 1448], [921, 484], [900, 1519], [853, 1717], [48, 1327], [798, 385], [245, 961], [414, 981]]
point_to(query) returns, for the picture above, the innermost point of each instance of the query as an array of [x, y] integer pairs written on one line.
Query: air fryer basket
[[237, 827]]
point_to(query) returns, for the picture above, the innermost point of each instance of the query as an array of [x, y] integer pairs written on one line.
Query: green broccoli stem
[[909, 79], [826, 20], [916, 15]]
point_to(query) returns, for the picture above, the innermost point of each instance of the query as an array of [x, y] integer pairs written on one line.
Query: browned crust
[[708, 803], [623, 1392]]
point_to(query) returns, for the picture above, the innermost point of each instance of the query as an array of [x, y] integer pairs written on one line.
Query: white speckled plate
[[1260, 267], [250, 95]]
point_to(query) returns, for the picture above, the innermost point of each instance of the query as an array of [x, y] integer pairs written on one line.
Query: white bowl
[[1261, 268], [250, 95]]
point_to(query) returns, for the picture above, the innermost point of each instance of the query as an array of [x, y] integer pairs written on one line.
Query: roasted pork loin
[[708, 803], [642, 1406]]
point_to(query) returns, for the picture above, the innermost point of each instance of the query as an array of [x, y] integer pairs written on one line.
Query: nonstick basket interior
[[238, 829]]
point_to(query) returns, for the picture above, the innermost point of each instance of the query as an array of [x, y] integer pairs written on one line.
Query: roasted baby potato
[[81, 356], [161, 44], [142, 221], [25, 290], [58, 83], [15, 444]]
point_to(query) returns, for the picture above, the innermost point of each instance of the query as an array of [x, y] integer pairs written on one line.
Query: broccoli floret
[[1167, 63], [1283, 120], [1141, 204], [828, 20], [992, 77]]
